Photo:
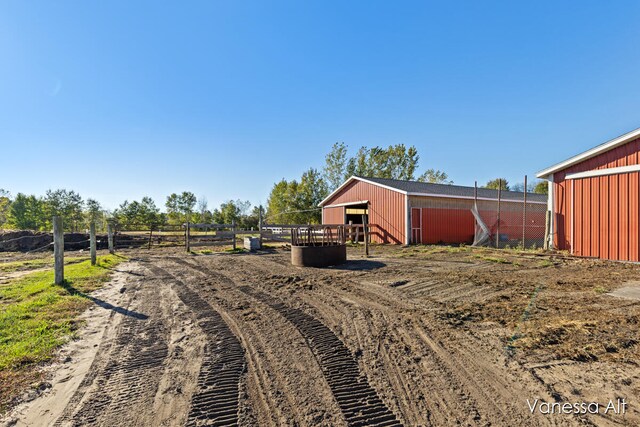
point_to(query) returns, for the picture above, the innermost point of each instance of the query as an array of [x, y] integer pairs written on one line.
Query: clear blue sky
[[118, 100]]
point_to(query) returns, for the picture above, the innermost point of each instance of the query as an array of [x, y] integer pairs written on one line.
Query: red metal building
[[595, 201], [404, 212]]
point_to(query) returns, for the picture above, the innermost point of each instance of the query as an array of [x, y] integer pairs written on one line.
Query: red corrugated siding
[[447, 226], [606, 212], [386, 210], [333, 215]]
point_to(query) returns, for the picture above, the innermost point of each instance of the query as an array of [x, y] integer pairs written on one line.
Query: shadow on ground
[[104, 304], [359, 265]]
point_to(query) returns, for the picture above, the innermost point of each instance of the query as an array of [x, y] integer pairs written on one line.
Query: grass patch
[[415, 250], [600, 290], [37, 316], [32, 264], [236, 251], [493, 259]]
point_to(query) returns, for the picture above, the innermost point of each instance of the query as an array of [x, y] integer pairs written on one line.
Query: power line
[[290, 212]]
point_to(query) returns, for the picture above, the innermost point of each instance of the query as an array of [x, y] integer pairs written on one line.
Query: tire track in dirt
[[115, 385], [286, 384], [467, 388], [401, 366], [358, 401], [215, 401]]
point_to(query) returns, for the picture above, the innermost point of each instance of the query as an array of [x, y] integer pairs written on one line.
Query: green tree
[[311, 191], [335, 168], [126, 214], [180, 207], [143, 214], [5, 204], [435, 176], [501, 183], [293, 202], [541, 187], [278, 203], [149, 214], [251, 219], [27, 213], [230, 211], [67, 204], [94, 213], [395, 161]]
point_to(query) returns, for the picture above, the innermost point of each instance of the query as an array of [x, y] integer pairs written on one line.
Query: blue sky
[[118, 100]]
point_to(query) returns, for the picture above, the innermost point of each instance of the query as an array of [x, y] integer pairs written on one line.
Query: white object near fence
[[252, 243]]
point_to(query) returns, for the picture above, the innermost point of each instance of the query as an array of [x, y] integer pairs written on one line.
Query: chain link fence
[[510, 224]]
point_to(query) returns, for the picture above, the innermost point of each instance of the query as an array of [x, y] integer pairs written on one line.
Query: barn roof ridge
[[416, 188], [585, 155]]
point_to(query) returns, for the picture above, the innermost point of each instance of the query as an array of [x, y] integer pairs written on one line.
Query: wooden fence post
[[498, 222], [110, 237], [366, 235], [92, 242], [547, 230], [524, 214], [58, 250], [233, 233], [351, 230], [260, 225], [187, 235]]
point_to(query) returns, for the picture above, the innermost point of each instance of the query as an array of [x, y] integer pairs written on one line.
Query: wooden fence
[[201, 235]]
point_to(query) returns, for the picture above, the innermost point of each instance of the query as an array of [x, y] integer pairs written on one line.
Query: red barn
[[404, 212], [595, 201]]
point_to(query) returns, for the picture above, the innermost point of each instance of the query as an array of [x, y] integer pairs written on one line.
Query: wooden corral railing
[[283, 232], [318, 235], [207, 234]]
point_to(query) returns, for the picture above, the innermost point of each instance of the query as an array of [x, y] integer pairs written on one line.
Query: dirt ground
[[425, 335]]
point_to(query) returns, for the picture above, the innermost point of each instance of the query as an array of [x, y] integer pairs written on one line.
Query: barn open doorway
[[354, 214]]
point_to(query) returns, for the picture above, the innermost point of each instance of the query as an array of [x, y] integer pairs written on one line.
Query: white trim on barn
[[572, 215], [621, 140], [407, 218], [350, 180], [551, 207], [337, 205], [603, 172], [380, 185]]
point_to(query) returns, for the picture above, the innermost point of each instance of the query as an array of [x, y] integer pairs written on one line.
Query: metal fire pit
[[318, 246]]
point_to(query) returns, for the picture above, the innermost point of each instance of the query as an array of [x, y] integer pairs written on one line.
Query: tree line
[[296, 201], [31, 212], [289, 202]]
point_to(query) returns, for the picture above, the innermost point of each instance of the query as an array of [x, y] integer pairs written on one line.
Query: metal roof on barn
[[415, 188]]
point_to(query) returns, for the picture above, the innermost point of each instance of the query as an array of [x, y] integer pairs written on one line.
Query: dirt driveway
[[407, 337]]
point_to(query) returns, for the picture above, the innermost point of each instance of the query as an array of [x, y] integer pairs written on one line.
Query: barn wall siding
[[443, 220], [447, 226], [333, 215], [606, 212], [386, 210]]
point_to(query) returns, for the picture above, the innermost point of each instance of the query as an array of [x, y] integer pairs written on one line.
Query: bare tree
[[202, 208]]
